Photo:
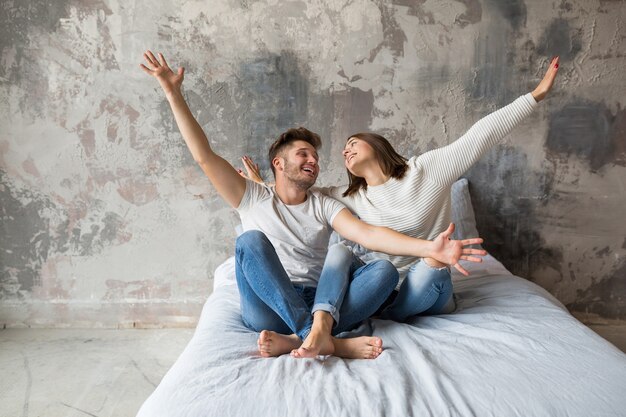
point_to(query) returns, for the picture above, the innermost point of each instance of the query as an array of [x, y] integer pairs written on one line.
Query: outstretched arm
[[382, 239], [446, 164], [228, 183]]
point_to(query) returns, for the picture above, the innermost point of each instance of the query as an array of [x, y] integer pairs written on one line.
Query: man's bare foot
[[319, 341], [276, 344], [363, 347], [316, 343]]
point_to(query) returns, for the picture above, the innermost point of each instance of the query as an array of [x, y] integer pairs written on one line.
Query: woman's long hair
[[390, 161]]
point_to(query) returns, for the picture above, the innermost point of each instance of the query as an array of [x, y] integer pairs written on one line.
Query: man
[[288, 292]]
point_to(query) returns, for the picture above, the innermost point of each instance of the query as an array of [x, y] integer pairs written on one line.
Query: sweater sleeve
[[446, 164]]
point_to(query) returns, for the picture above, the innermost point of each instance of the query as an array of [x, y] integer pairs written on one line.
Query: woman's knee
[[387, 272], [339, 252], [427, 274]]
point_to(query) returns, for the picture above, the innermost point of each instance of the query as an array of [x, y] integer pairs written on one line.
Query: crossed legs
[[356, 290], [272, 305]]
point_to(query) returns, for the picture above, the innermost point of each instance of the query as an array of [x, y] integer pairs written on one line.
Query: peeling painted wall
[[106, 221]]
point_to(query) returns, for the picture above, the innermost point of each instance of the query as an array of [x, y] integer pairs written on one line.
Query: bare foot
[[318, 342], [276, 344], [363, 347]]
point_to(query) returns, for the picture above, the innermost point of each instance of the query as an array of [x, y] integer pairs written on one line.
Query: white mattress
[[510, 349]]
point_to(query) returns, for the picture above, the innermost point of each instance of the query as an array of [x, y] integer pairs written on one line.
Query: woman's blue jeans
[[347, 289], [425, 291]]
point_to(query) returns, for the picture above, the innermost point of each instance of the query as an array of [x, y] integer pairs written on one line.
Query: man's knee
[[259, 322], [250, 238]]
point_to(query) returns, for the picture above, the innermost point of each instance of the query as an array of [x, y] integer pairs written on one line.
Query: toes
[[265, 336], [376, 341], [303, 352], [374, 352]]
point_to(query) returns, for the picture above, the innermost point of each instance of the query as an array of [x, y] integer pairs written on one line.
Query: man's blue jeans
[[347, 289]]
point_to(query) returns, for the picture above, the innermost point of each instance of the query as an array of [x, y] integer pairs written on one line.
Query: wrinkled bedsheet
[[510, 349]]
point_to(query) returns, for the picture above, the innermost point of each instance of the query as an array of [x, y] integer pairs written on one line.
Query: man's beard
[[294, 175]]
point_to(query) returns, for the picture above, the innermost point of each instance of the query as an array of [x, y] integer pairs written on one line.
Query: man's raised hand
[[451, 251], [158, 68]]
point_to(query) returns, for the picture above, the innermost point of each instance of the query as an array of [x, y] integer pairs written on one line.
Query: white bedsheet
[[510, 349]]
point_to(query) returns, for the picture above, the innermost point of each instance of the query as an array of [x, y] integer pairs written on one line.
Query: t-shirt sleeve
[[331, 208], [254, 193], [333, 192], [446, 164]]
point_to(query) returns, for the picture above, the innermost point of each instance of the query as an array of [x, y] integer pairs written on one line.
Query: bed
[[510, 349]]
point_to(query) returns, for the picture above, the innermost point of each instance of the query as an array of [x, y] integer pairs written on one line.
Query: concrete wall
[[106, 221]]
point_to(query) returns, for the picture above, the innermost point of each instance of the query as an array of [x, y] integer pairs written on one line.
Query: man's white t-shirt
[[299, 232]]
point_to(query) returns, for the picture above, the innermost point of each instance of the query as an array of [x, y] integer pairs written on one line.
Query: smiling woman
[[369, 151]]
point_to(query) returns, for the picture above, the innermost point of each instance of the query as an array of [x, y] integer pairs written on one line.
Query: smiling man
[[291, 293]]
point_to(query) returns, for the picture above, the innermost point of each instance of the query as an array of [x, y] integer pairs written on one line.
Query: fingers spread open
[[162, 60], [461, 269], [474, 252], [146, 69], [150, 58], [153, 59], [472, 259], [447, 233], [472, 241], [148, 61]]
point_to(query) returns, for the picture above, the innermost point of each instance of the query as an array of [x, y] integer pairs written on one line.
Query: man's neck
[[289, 193]]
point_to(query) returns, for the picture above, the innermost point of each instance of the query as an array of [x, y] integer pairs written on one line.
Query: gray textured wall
[[106, 221]]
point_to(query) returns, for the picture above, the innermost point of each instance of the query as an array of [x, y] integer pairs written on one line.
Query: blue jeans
[[425, 291], [349, 291]]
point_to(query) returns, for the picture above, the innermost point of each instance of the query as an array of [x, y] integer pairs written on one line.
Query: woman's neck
[[373, 175]]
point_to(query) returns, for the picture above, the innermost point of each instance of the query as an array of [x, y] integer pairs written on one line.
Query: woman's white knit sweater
[[418, 205]]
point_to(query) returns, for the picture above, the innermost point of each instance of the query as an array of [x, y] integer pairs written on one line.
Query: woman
[[413, 197]]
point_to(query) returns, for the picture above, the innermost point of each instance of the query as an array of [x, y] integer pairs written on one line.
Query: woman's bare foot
[[319, 341], [363, 347], [276, 344]]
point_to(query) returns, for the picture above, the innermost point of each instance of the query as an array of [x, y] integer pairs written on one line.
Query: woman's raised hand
[[158, 68], [545, 85]]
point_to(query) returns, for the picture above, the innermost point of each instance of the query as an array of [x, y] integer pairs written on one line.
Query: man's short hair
[[291, 135]]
